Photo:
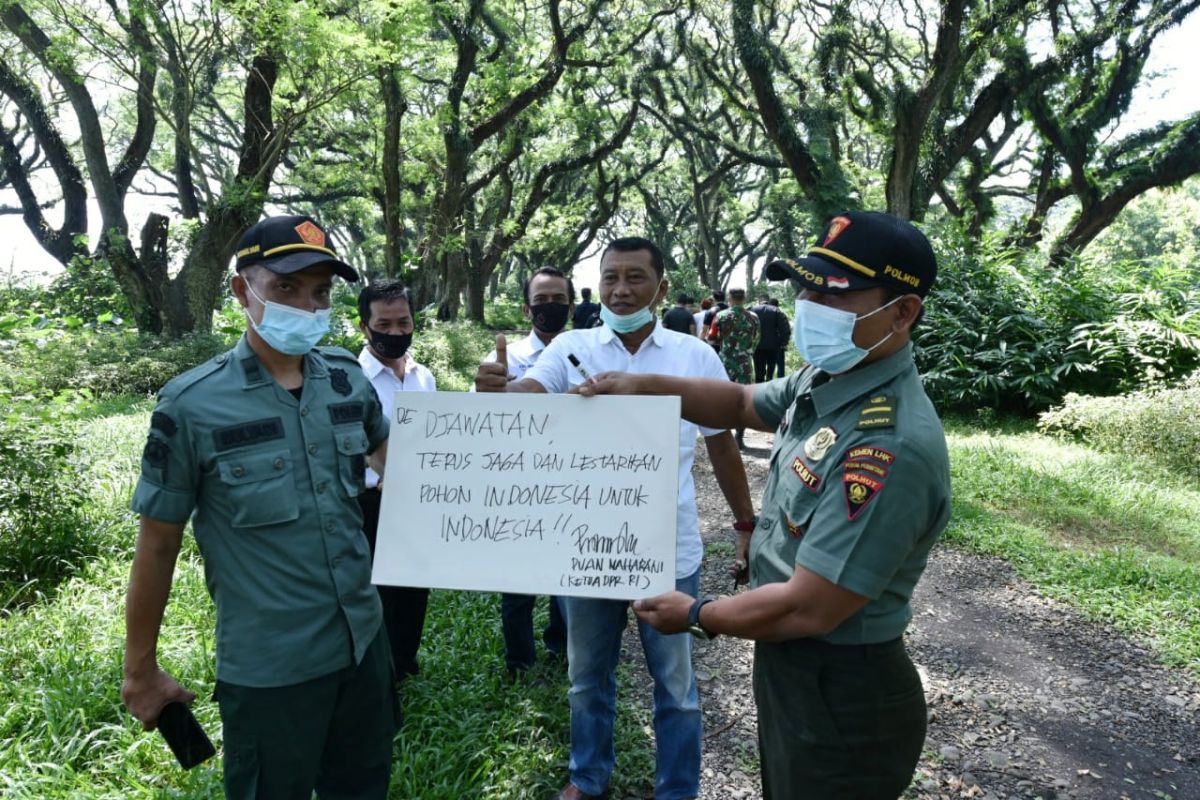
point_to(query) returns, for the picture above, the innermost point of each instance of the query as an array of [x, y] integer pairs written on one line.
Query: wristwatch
[[745, 525], [694, 626]]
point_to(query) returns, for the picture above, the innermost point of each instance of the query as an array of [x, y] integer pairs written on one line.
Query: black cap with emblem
[[861, 249], [289, 244]]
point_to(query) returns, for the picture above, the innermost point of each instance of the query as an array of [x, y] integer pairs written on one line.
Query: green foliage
[[46, 360], [452, 351], [1117, 536], [1004, 334], [1163, 424], [1153, 338], [44, 512], [983, 342]]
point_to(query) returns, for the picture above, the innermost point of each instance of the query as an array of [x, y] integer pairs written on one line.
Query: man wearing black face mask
[[386, 321], [549, 301]]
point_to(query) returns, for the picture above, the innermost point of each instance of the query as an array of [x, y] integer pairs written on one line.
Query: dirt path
[[1026, 698]]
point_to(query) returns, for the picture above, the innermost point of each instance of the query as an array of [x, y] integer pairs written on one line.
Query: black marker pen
[[575, 363]]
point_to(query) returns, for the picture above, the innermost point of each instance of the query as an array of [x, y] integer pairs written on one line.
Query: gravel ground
[[1026, 698]]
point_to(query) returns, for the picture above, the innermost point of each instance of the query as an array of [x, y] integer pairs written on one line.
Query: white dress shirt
[[664, 352], [416, 379]]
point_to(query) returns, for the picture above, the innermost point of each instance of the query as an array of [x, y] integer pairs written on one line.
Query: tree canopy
[[457, 143]]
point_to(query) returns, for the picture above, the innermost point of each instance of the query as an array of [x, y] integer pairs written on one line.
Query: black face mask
[[390, 345], [549, 317]]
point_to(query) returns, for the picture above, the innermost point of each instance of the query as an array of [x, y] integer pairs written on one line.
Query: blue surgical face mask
[[626, 323], [291, 331], [825, 336]]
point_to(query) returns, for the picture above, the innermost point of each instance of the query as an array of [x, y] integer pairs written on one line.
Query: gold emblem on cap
[[310, 233], [819, 443]]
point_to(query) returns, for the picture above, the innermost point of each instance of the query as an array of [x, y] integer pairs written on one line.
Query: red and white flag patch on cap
[[836, 282]]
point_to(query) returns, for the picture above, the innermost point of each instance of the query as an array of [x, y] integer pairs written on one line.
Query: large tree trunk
[[394, 107]]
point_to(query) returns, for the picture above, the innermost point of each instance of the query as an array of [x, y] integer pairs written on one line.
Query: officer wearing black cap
[[263, 448], [858, 492]]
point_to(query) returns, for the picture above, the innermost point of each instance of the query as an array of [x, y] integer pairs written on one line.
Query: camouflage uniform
[[738, 328]]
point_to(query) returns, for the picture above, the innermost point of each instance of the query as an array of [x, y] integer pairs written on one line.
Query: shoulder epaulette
[[333, 352], [184, 381], [878, 412]]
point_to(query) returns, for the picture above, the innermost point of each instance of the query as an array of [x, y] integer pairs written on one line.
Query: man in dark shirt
[[773, 339], [587, 313], [680, 318]]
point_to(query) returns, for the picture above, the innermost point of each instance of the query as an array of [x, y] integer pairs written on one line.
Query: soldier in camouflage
[[737, 331]]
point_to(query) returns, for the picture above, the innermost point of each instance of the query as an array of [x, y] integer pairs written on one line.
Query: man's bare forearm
[[730, 473], [709, 402], [149, 587]]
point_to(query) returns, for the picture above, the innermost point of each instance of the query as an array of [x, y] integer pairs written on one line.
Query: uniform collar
[[254, 374], [833, 394]]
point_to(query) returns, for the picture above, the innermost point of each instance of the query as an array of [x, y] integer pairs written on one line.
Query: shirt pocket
[[261, 488], [351, 444]]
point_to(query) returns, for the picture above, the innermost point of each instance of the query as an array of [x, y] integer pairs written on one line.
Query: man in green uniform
[[737, 332], [264, 448], [858, 492]]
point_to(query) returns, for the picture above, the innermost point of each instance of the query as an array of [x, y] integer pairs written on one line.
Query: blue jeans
[[593, 648], [516, 622]]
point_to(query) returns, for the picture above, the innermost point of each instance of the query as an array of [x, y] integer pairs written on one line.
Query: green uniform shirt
[[739, 330], [273, 482], [859, 488]]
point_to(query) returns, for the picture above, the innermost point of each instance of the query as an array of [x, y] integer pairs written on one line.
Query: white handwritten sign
[[532, 494]]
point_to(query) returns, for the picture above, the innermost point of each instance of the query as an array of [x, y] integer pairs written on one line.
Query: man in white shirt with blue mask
[[632, 284]]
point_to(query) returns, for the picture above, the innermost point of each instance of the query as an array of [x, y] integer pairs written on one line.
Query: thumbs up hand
[[492, 376]]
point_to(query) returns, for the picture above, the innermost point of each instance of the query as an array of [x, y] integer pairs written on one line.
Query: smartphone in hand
[[183, 733]]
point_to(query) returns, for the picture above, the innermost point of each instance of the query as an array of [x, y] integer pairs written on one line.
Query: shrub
[[45, 361], [1164, 424], [452, 351], [983, 342], [1002, 331], [44, 520]]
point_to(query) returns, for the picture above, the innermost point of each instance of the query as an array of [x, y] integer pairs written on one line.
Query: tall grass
[[1116, 535]]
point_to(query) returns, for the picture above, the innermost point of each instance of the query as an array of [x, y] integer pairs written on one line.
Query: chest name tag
[[879, 412], [346, 412], [261, 430], [806, 475]]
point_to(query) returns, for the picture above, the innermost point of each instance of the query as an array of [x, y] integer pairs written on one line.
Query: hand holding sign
[[609, 383], [492, 376]]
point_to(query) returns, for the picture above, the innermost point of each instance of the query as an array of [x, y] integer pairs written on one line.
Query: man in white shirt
[[632, 284], [549, 302], [386, 321]]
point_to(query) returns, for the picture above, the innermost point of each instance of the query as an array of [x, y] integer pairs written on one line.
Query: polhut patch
[[261, 430], [809, 478], [879, 412], [860, 490], [340, 381]]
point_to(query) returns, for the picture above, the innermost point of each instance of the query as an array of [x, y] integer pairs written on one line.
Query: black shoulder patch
[[879, 412], [156, 452], [261, 430], [340, 381], [346, 412], [161, 421]]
